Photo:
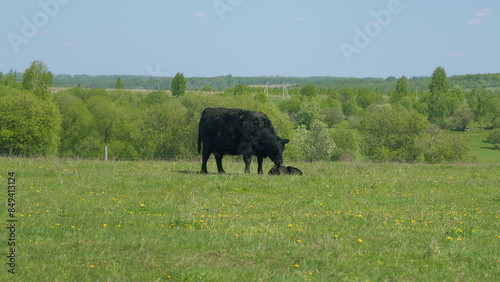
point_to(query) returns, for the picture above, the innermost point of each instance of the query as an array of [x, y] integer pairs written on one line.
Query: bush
[[459, 120], [316, 143], [494, 138], [28, 124], [390, 134], [332, 116], [445, 147], [346, 145]]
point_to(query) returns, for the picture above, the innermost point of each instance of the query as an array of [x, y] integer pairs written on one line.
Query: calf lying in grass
[[284, 170]]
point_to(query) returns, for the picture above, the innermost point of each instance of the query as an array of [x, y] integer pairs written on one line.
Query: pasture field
[[82, 220]]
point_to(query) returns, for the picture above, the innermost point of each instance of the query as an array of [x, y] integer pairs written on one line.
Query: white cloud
[[484, 12], [196, 48], [202, 15], [476, 21], [458, 54]]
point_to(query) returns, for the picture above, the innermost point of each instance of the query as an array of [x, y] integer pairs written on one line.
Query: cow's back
[[223, 129]]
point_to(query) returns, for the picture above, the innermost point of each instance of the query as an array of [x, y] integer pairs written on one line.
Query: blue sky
[[350, 38]]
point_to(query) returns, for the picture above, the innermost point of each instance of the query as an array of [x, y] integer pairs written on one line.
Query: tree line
[[402, 124], [222, 83]]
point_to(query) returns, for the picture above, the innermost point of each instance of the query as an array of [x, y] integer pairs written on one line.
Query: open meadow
[[82, 220]]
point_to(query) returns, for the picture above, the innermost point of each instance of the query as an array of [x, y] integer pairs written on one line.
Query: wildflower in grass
[[299, 241], [92, 266], [105, 225], [449, 238], [360, 240], [142, 205], [296, 265]]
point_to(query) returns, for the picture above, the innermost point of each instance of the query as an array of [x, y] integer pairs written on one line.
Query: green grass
[[480, 148], [132, 221]]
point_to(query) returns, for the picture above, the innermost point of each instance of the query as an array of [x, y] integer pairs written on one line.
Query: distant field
[[81, 220]]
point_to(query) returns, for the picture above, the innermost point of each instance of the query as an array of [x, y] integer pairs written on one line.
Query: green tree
[[208, 88], [28, 124], [79, 136], [494, 138], [38, 79], [119, 84], [178, 87], [309, 112], [261, 97], [350, 108], [316, 143], [241, 89], [459, 119], [440, 146], [390, 134], [401, 90], [332, 116], [440, 104], [439, 81], [10, 79], [479, 101], [308, 91]]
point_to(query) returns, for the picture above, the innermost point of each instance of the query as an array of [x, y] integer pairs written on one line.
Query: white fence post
[[105, 153]]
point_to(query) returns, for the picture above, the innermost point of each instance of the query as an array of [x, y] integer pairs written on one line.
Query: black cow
[[238, 132]]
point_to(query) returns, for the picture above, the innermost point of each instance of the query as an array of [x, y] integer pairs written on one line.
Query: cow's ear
[[285, 141]]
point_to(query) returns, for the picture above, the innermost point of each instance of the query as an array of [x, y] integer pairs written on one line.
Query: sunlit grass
[[124, 221]]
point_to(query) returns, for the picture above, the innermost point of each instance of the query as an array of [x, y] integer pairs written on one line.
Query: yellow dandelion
[[296, 265], [72, 226], [142, 205], [299, 241], [105, 225], [458, 239], [92, 266], [236, 235], [360, 240], [449, 238]]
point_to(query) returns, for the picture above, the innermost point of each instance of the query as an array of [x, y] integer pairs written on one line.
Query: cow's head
[[275, 150]]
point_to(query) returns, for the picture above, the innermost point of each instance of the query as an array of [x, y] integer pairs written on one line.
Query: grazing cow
[[238, 132], [284, 170]]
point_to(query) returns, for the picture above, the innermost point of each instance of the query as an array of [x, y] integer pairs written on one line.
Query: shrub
[[445, 147], [390, 134], [316, 143], [28, 124], [494, 138], [346, 145]]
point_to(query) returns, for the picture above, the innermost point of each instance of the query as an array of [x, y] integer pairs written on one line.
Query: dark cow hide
[[238, 132], [284, 170]]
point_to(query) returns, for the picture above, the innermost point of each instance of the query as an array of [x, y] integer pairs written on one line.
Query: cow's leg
[[259, 162], [205, 155], [218, 159], [248, 159]]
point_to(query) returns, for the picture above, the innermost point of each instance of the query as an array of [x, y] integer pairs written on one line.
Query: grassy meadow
[[82, 220]]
